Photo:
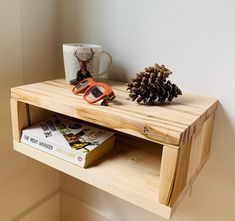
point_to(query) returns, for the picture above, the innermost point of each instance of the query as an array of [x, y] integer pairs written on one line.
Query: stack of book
[[69, 140]]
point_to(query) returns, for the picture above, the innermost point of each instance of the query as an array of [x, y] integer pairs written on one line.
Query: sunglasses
[[94, 91]]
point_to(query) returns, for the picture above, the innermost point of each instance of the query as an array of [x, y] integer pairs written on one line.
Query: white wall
[[27, 28], [40, 35], [196, 40]]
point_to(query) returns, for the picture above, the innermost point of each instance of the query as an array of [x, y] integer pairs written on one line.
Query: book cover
[[69, 140]]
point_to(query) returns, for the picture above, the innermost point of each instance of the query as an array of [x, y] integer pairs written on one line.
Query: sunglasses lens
[[82, 85], [95, 92]]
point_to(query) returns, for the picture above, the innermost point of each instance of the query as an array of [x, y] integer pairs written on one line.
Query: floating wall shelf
[[159, 150]]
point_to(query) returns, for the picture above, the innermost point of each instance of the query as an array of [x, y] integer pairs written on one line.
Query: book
[[69, 140]]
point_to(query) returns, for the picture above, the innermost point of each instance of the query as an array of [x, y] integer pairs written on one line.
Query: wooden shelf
[[168, 124], [130, 173], [157, 155]]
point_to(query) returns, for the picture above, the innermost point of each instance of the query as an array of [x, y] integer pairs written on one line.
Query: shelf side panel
[[200, 148], [19, 118], [167, 174], [207, 132], [192, 157], [181, 171]]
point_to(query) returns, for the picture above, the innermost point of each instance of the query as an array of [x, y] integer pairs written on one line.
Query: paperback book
[[69, 140]]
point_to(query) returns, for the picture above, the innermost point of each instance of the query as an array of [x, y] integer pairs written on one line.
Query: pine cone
[[151, 86]]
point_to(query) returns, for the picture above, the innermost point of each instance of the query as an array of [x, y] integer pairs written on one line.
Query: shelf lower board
[[131, 174]]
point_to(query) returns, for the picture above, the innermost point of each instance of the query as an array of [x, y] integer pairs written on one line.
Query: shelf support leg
[[167, 173], [19, 118]]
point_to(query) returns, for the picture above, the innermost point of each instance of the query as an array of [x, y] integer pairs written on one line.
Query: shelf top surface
[[170, 124]]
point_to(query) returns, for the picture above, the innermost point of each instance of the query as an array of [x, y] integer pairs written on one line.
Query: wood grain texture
[[207, 133], [189, 185], [192, 157], [167, 174], [130, 173], [196, 149], [167, 124], [38, 114], [181, 172], [19, 118], [200, 147], [159, 150]]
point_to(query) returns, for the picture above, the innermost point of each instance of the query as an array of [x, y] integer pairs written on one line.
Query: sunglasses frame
[[107, 96]]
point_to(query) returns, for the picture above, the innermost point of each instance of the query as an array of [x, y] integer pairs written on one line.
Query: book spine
[[50, 148]]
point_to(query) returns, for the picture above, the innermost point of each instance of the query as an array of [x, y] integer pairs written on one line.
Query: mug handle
[[110, 62]]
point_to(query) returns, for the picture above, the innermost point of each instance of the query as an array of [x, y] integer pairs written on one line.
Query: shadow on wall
[[119, 72], [224, 130]]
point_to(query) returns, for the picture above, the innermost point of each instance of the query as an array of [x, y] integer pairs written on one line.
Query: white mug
[[76, 55]]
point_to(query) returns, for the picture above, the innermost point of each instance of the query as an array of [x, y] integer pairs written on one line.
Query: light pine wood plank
[[108, 117], [131, 174], [200, 147], [189, 185], [196, 149], [167, 174], [195, 156], [38, 114], [19, 118], [207, 132], [181, 171], [168, 124]]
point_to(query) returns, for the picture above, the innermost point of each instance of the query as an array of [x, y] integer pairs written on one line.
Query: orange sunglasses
[[94, 91]]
